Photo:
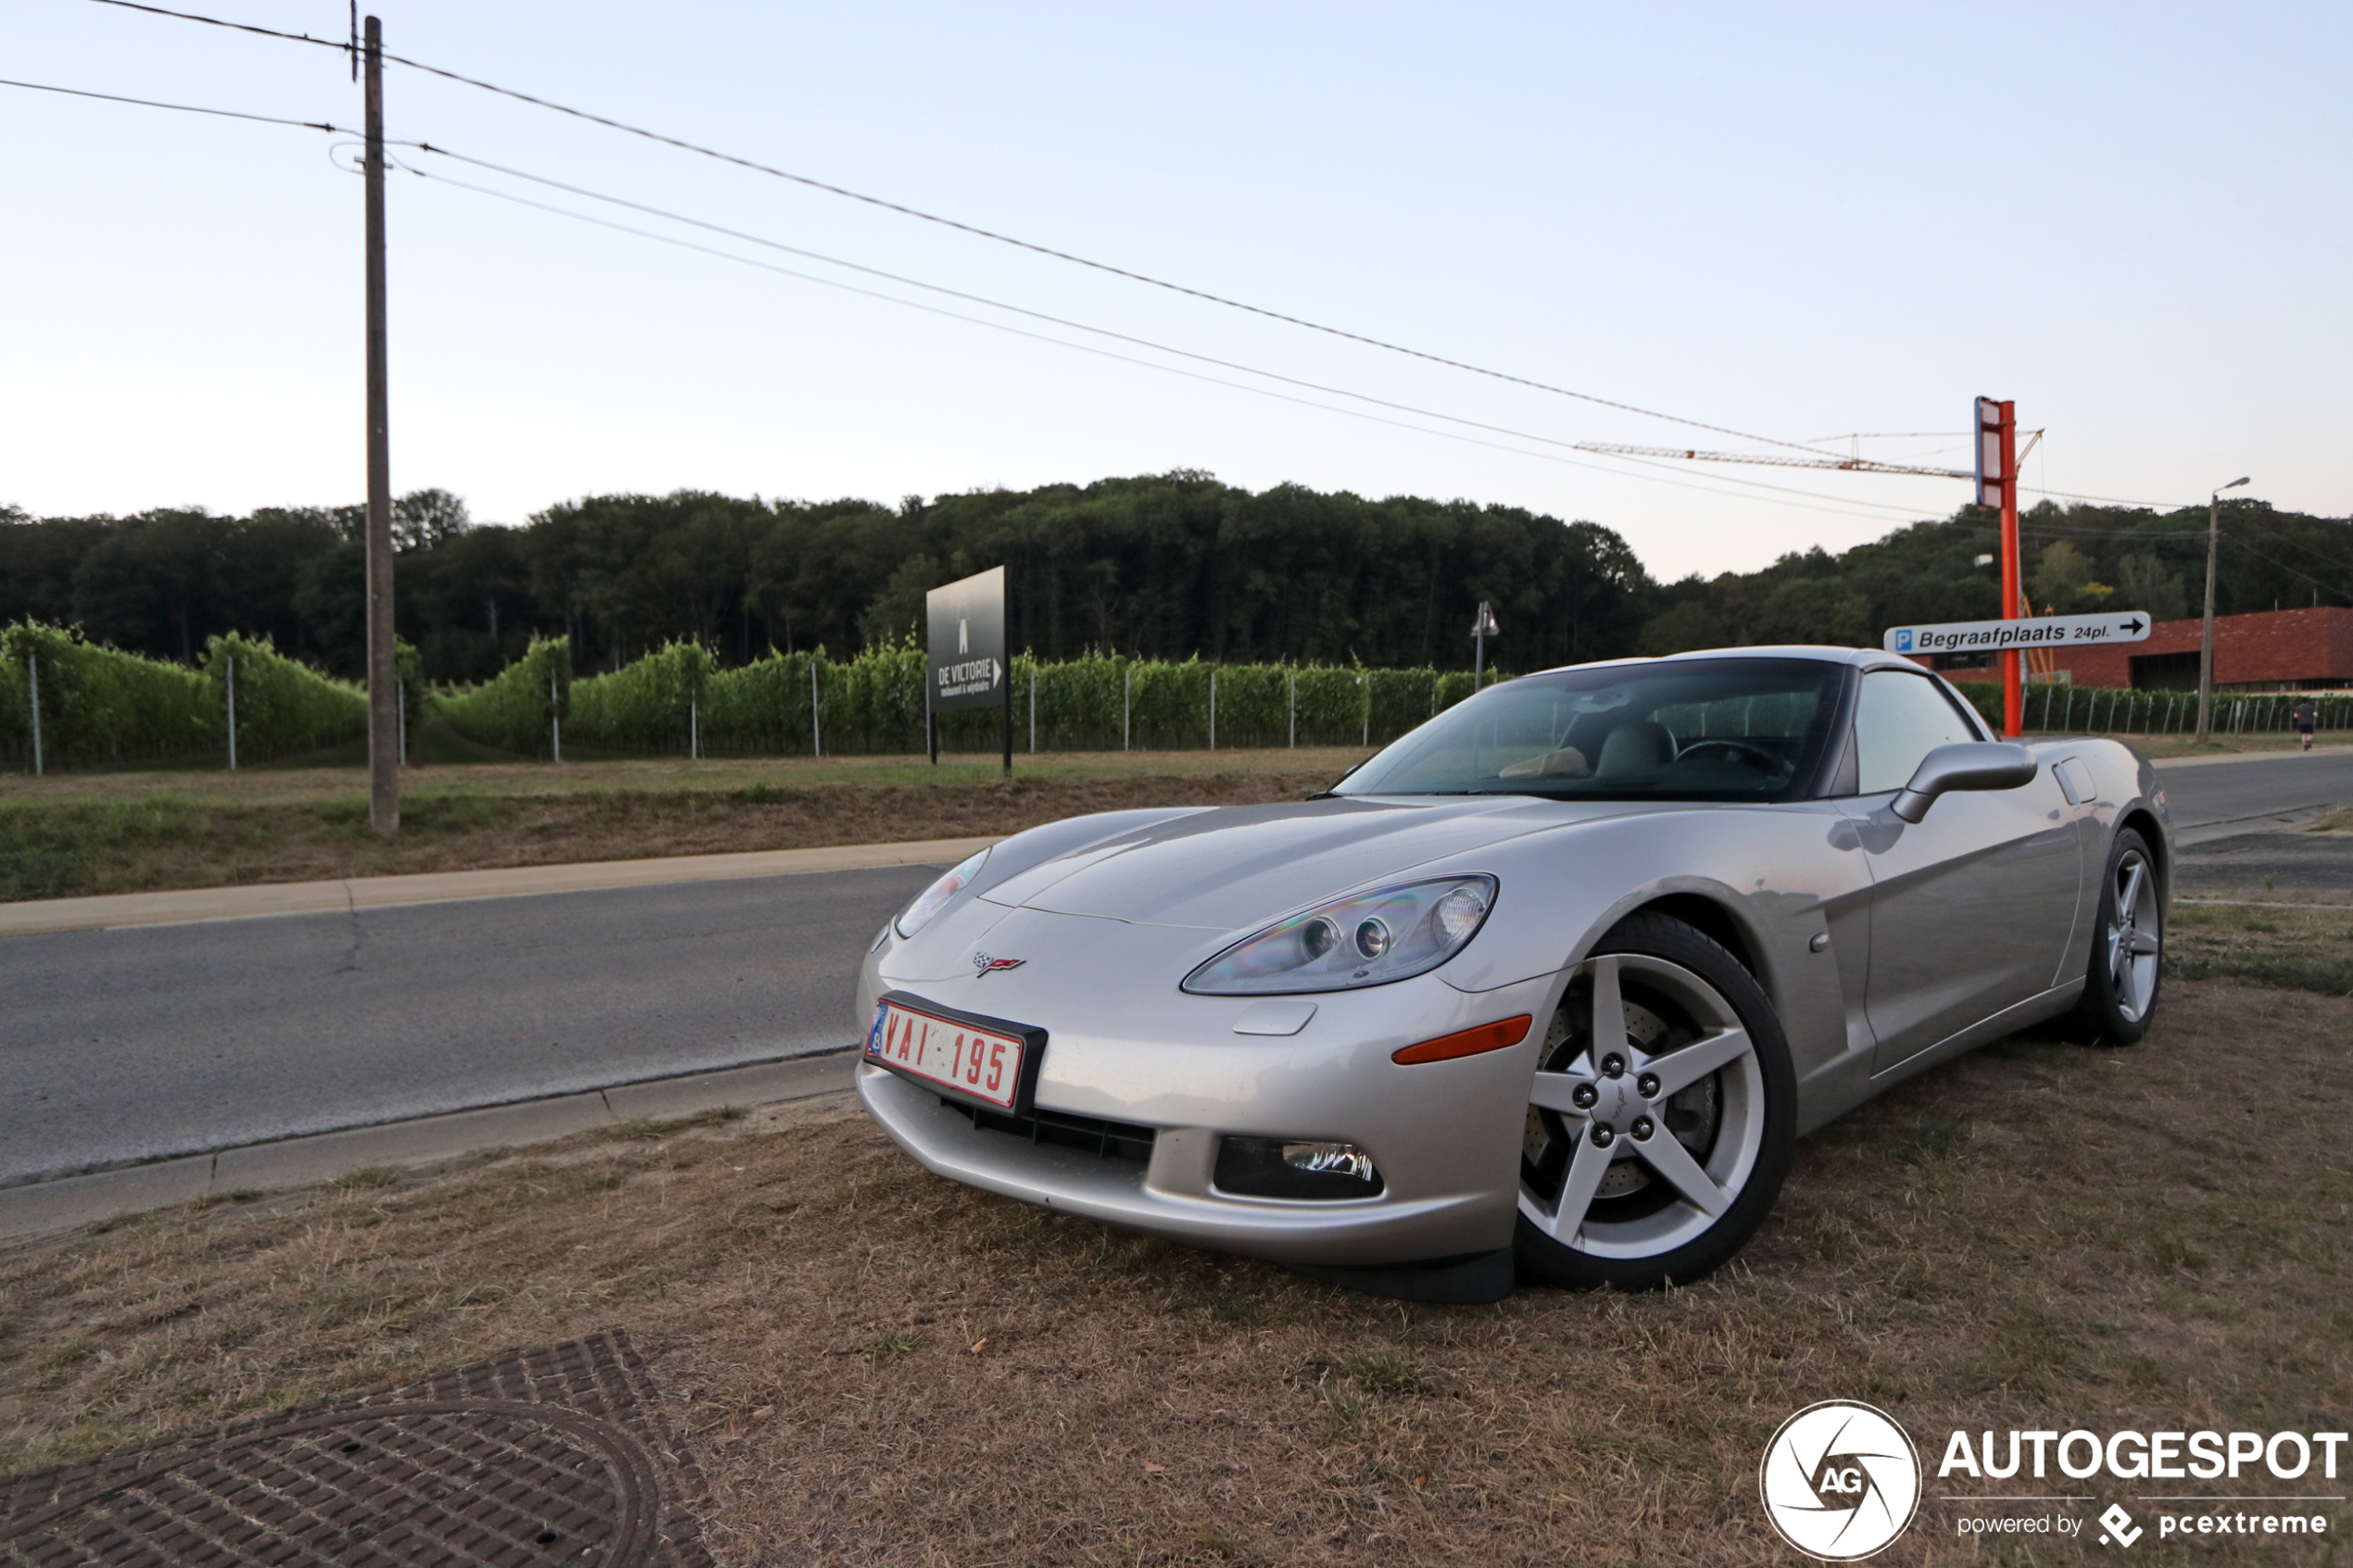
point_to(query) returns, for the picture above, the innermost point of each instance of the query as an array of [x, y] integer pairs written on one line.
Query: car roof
[[1861, 658]]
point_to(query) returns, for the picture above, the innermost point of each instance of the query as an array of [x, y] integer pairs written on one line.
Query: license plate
[[979, 1063]]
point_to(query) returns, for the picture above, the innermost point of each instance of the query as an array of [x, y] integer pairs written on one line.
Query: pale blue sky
[[1796, 220]]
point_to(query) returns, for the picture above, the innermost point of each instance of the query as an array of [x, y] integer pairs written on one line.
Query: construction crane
[[1779, 460]]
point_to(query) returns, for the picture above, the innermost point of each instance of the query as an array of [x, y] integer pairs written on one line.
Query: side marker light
[[1466, 1042]]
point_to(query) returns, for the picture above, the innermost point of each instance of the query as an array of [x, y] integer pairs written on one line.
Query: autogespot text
[[2148, 1458], [2152, 1456]]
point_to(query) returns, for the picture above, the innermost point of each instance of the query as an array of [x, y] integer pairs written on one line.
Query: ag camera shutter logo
[[1840, 1480]]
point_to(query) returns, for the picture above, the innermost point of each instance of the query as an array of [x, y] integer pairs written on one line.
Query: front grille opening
[[1108, 1140]]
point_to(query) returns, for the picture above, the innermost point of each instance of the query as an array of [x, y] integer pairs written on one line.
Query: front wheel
[[1663, 1115], [2120, 993]]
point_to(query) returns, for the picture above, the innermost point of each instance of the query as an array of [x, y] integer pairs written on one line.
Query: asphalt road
[[140, 1043], [137, 1044], [2208, 793]]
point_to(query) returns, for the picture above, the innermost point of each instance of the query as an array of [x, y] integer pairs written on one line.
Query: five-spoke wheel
[[1662, 1114], [2119, 992]]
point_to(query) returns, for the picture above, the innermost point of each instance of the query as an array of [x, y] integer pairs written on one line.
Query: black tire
[[2107, 1015], [1700, 1246]]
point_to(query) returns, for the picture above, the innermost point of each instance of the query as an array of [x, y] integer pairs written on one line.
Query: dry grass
[[121, 833], [2299, 947], [887, 1368]]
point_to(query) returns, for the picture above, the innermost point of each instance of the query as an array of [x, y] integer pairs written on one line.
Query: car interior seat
[[1636, 746]]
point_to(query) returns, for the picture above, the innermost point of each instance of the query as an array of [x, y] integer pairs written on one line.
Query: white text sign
[[2044, 631]]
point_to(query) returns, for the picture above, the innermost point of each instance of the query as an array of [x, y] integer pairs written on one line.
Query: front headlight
[[935, 898], [1369, 939]]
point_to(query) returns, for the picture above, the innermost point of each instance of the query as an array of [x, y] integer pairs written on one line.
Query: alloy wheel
[[1647, 1113], [2133, 936]]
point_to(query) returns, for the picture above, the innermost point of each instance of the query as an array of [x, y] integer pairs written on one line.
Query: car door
[[1971, 906]]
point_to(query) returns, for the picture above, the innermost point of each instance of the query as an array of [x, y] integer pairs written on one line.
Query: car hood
[[1242, 866]]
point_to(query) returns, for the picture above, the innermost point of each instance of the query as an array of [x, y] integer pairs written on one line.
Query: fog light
[[1310, 1169]]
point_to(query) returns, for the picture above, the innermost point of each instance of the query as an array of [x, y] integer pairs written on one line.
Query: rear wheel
[[2119, 992], [1662, 1118]]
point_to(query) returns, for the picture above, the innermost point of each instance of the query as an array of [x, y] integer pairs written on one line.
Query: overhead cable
[[980, 232], [183, 108], [1596, 448], [1111, 354], [339, 45]]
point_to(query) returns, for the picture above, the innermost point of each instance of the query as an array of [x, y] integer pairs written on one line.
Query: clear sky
[[1797, 221]]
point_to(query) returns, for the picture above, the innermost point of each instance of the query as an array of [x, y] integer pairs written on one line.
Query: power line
[[2241, 544], [336, 44], [183, 108], [2108, 500], [2277, 537], [1889, 435], [976, 230], [1105, 353], [1843, 506], [1594, 447]]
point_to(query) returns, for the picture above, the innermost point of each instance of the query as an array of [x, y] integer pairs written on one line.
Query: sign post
[[1998, 486], [965, 664], [2011, 634]]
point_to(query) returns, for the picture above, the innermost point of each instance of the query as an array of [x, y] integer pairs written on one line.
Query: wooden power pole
[[383, 717]]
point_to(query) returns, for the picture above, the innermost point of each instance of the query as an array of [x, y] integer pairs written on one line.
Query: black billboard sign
[[967, 636], [964, 636]]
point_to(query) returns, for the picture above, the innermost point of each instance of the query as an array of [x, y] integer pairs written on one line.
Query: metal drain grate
[[429, 1474]]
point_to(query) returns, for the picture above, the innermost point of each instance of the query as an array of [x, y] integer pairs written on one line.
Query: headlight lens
[[935, 898], [1369, 939]]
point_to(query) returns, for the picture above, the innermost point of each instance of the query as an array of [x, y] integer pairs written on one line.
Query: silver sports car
[[1548, 988]]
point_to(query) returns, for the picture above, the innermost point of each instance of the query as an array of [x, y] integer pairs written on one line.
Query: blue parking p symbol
[[1904, 640]]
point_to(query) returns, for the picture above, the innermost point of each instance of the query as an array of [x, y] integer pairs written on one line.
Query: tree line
[[2076, 560], [1165, 566]]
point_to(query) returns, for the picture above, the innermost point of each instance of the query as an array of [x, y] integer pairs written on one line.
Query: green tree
[[1816, 609], [2143, 583]]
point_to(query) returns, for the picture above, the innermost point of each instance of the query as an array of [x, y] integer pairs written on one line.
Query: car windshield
[[1705, 729]]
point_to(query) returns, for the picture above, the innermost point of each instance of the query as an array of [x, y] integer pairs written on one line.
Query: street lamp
[[2205, 646], [1482, 627]]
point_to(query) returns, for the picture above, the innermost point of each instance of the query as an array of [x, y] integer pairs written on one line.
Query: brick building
[[2285, 650]]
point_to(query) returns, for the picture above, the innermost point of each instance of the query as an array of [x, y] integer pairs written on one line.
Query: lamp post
[[2206, 644], [1482, 627]]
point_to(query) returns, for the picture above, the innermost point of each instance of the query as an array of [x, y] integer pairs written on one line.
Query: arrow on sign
[[2037, 632]]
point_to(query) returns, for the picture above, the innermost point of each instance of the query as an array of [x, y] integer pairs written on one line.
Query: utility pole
[[2205, 643], [1998, 485], [384, 716], [1482, 627]]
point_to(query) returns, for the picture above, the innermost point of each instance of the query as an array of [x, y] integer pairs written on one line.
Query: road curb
[[46, 915], [44, 1207], [2281, 753]]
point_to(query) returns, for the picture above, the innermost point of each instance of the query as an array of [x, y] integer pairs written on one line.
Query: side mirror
[[1974, 764]]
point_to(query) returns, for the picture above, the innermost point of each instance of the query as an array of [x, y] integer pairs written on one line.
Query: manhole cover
[[393, 1478]]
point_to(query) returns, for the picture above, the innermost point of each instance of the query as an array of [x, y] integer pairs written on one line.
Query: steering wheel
[[1762, 759]]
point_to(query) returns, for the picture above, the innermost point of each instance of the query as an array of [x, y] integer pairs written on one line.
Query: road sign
[[2048, 631], [1991, 472], [965, 625]]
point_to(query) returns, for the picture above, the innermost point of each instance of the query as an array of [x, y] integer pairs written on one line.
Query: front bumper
[[1445, 1136]]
